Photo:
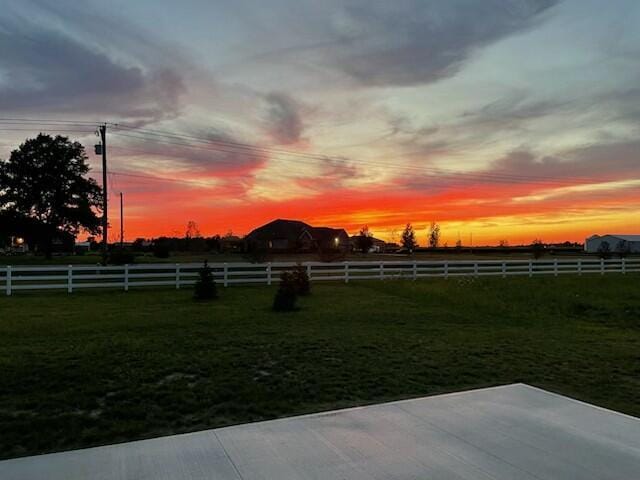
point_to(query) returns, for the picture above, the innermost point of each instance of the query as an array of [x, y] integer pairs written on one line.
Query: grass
[[101, 367], [186, 257]]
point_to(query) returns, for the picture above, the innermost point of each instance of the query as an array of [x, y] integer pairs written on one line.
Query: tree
[[604, 250], [364, 240], [45, 180], [192, 230], [205, 287], [537, 247], [434, 235], [287, 294], [504, 243], [409, 238]]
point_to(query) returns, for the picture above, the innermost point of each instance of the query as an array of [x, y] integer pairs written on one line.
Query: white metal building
[[616, 243]]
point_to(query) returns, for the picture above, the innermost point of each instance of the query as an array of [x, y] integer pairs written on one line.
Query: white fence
[[73, 277]]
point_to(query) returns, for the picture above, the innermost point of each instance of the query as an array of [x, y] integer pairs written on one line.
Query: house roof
[[626, 238], [280, 228], [375, 240]]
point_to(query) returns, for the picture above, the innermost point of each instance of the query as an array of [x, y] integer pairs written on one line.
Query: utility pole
[[121, 223], [105, 217]]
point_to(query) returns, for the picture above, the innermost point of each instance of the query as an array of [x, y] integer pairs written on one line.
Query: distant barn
[[613, 243]]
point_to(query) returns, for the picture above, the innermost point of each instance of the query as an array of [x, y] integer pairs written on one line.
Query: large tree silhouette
[[45, 180]]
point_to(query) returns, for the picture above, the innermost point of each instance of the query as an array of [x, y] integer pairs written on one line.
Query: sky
[[499, 119]]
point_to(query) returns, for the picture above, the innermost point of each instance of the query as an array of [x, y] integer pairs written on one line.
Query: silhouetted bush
[[257, 253], [286, 296], [332, 255], [604, 250], [537, 248], [161, 250], [205, 287], [121, 257], [302, 282]]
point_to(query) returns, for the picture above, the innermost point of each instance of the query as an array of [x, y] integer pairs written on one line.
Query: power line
[[268, 150], [486, 177], [178, 139]]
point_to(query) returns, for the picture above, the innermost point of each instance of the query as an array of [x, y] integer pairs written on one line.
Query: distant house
[[377, 245], [295, 236], [231, 243], [613, 243]]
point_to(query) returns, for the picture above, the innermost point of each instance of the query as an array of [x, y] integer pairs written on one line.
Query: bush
[[332, 255], [257, 254], [286, 296], [161, 250], [120, 257], [301, 279], [205, 287]]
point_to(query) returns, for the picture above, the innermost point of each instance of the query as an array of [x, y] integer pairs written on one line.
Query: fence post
[[177, 276], [504, 269], [602, 266], [309, 271], [579, 266], [69, 278], [624, 265], [530, 268], [126, 277], [225, 274], [381, 271], [269, 273], [555, 267], [7, 280], [415, 269], [346, 272], [446, 269], [475, 269]]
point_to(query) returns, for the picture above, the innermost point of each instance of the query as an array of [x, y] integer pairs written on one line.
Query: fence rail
[[74, 277]]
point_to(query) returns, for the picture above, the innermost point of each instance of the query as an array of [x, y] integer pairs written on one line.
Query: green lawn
[[100, 367], [94, 258]]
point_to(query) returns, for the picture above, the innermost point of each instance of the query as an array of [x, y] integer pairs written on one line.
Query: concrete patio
[[513, 432]]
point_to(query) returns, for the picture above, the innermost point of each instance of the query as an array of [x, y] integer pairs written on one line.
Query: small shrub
[[161, 250], [120, 257], [604, 250], [205, 287], [332, 255], [301, 279], [257, 254], [286, 296]]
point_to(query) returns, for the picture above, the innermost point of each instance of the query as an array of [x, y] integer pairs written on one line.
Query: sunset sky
[[501, 119]]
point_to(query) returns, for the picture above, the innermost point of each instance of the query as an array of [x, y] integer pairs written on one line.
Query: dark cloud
[[599, 162], [50, 70], [198, 152], [283, 119], [528, 172], [417, 41]]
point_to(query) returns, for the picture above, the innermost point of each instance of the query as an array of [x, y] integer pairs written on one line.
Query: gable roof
[[280, 229]]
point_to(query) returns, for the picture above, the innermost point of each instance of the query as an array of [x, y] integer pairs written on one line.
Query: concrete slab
[[515, 432]]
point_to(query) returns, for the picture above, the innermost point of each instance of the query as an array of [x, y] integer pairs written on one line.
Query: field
[[186, 257], [101, 367]]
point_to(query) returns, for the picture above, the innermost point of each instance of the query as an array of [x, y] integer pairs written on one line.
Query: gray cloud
[[588, 164], [51, 70], [283, 120], [416, 41]]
